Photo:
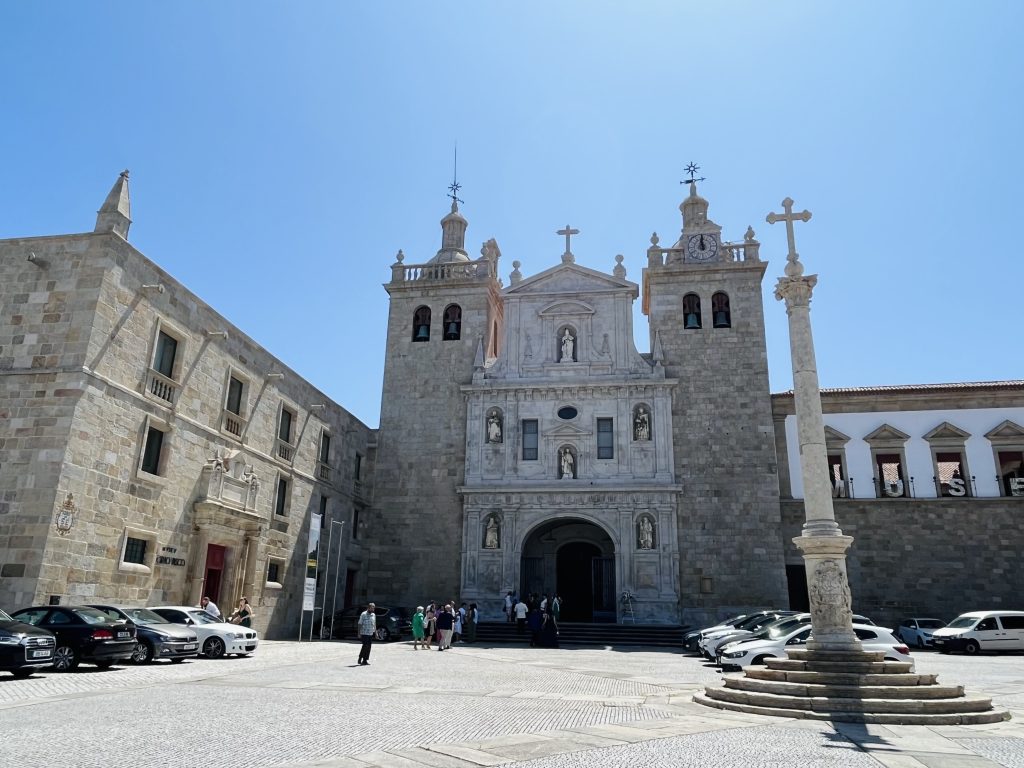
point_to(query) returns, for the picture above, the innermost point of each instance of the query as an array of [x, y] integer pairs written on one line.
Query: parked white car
[[216, 638], [747, 652], [711, 642], [918, 632], [982, 631]]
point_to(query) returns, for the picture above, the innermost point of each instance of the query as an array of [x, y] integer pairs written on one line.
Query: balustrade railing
[[161, 386], [285, 451], [731, 252], [458, 270], [323, 472], [233, 423]]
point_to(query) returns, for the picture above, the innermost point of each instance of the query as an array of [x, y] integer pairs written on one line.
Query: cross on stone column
[[568, 232], [789, 217]]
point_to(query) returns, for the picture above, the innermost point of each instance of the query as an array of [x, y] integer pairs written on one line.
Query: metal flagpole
[[337, 572]]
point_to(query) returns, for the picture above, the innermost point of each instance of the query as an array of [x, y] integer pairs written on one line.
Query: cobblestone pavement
[[307, 704]]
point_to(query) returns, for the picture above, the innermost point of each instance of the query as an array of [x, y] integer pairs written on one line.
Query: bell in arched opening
[[422, 333], [451, 331], [692, 321], [722, 319]]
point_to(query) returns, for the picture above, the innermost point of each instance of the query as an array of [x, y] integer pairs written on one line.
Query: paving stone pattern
[[305, 705]]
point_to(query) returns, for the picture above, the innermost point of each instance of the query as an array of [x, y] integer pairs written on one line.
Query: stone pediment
[[568, 431], [567, 307], [833, 437], [1007, 432], [886, 434], [947, 433], [570, 278]]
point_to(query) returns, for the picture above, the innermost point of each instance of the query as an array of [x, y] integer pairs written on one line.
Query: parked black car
[[155, 637], [24, 649], [83, 634], [392, 623]]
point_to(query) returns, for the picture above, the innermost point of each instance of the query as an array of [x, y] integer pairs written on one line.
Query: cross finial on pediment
[[568, 232]]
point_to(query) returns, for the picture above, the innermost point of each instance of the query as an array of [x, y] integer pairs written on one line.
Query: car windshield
[[783, 628], [751, 622], [200, 616], [91, 615], [144, 616], [930, 624], [5, 617], [962, 622]]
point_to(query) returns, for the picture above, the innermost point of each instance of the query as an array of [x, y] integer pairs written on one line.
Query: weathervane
[[454, 187], [692, 169]]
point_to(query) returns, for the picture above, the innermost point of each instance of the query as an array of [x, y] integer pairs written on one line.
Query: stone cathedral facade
[[151, 452]]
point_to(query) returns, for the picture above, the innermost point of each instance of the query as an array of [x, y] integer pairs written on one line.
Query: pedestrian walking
[[509, 605], [460, 617], [549, 631], [445, 623], [556, 607], [417, 629], [431, 627], [242, 614], [211, 608], [521, 609], [535, 622], [472, 618], [367, 629]]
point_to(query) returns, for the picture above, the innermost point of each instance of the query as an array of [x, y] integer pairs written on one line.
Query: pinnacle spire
[[115, 213]]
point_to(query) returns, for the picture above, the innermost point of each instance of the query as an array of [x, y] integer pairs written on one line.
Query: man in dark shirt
[[445, 622]]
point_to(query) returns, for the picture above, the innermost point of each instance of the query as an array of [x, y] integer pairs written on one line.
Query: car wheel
[[105, 664], [920, 642], [23, 672], [214, 648], [383, 634], [971, 648], [65, 658], [143, 653], [760, 659]]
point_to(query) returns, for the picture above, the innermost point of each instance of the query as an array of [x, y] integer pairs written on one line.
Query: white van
[[982, 631]]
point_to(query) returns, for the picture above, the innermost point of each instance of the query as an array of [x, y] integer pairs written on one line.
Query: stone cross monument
[[822, 542]]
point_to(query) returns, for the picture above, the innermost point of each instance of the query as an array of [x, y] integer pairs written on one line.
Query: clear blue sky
[[282, 153]]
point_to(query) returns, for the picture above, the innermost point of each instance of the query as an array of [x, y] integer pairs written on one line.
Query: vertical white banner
[[309, 593]]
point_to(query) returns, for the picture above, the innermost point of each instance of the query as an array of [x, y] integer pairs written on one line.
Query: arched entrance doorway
[[576, 560]]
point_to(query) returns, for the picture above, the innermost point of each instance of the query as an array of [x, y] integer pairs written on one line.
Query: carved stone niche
[[229, 484]]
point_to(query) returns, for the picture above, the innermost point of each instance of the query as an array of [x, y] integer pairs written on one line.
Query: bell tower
[[444, 313], [702, 296]]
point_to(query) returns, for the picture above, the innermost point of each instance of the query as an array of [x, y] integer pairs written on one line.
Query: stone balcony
[[161, 387]]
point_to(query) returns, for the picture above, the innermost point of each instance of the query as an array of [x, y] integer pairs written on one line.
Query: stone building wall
[[103, 429], [416, 524], [926, 557], [730, 551]]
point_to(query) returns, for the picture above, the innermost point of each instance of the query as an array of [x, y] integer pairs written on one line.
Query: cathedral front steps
[[597, 633], [855, 687]]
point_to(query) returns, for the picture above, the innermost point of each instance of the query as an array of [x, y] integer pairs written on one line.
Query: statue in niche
[[567, 346], [494, 427], [528, 354], [491, 535], [642, 424], [645, 533], [566, 463]]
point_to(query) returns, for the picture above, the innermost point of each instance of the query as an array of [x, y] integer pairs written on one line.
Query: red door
[[215, 555]]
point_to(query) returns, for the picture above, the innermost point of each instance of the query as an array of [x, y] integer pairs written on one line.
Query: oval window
[[568, 412]]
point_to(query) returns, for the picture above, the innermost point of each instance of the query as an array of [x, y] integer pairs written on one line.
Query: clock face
[[701, 247]]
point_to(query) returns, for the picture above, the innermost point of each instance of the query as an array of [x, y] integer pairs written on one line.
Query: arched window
[[691, 312], [421, 324], [721, 317], [452, 322]]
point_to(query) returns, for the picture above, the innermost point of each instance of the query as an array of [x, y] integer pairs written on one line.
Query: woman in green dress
[[417, 629]]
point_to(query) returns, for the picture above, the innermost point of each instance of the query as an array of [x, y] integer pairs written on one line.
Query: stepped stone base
[[852, 687]]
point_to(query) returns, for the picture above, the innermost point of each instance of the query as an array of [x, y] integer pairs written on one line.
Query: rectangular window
[[355, 522], [325, 448], [529, 439], [1011, 472], [274, 572], [836, 475], [950, 475], [151, 453], [166, 350], [135, 551], [605, 439], [323, 510], [234, 403], [284, 432], [890, 480], [281, 503], [359, 466]]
